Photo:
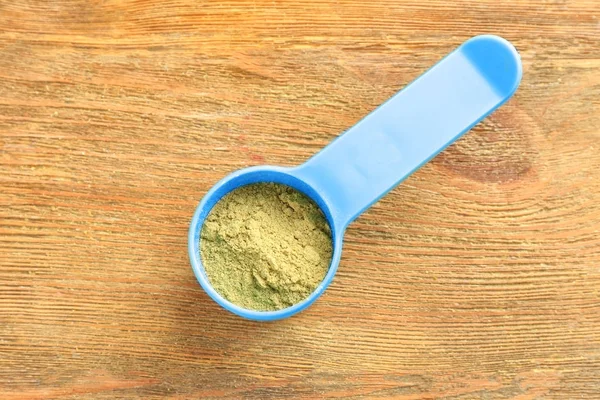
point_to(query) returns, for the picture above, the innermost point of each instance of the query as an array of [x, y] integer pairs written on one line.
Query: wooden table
[[478, 278]]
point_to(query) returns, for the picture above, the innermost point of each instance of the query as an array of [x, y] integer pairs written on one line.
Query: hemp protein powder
[[265, 246]]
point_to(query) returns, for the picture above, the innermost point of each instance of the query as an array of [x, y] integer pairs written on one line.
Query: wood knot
[[499, 149]]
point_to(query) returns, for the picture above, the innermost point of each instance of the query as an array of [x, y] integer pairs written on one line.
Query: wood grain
[[479, 278]]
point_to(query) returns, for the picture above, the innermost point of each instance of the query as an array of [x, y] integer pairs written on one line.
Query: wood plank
[[478, 278]]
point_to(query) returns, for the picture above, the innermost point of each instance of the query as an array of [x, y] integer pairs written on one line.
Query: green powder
[[265, 246]]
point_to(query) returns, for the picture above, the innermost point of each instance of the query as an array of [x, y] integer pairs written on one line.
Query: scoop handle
[[413, 126]]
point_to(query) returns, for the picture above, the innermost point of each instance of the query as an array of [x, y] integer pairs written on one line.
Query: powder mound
[[266, 246]]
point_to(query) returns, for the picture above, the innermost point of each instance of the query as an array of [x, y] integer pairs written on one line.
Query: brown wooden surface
[[479, 278]]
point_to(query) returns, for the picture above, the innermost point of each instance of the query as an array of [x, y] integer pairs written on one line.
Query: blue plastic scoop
[[380, 151]]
